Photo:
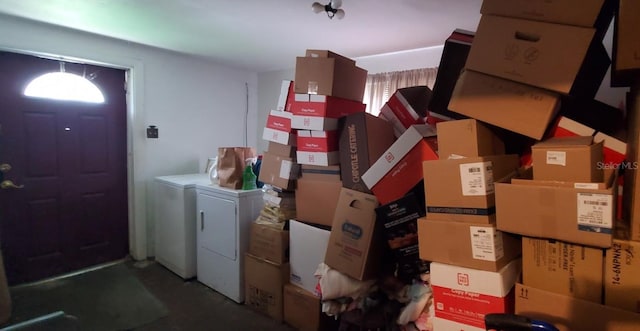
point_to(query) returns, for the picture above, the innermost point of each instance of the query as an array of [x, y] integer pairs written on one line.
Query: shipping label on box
[[507, 104], [465, 295], [562, 268], [622, 275], [354, 248]]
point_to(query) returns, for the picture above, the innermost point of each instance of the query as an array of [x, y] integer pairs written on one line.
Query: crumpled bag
[[231, 164], [333, 284]]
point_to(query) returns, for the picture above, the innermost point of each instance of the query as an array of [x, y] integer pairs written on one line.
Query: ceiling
[[259, 35]]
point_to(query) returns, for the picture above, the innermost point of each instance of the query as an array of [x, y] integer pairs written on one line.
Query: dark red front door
[[71, 159]]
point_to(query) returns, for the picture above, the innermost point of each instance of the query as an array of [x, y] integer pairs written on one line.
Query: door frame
[[136, 187]]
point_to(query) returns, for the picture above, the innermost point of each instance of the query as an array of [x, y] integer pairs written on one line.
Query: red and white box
[[463, 295], [318, 158], [314, 123], [399, 168], [566, 127], [287, 96], [324, 106], [317, 141], [401, 107], [388, 115], [278, 128], [615, 151]]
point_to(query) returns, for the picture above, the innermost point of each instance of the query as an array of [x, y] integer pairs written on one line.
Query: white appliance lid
[[185, 181]]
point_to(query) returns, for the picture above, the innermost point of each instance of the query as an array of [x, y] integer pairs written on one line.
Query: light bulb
[[317, 7], [339, 14], [335, 4]]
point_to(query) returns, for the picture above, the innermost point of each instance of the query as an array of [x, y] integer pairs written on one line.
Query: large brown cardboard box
[[354, 245], [363, 139], [622, 275], [279, 171], [463, 189], [581, 215], [569, 159], [275, 148], [560, 267], [572, 314], [507, 104], [323, 53], [467, 137], [626, 44], [264, 283], [586, 13], [476, 246], [529, 51], [269, 243], [303, 311], [329, 76], [631, 195], [317, 197]]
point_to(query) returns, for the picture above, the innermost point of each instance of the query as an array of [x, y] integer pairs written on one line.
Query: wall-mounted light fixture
[[332, 9]]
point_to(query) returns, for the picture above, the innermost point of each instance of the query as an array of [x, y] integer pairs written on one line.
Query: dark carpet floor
[[141, 296]]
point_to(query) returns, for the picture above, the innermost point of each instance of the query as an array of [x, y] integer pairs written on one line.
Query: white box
[[318, 158], [412, 136], [307, 247], [279, 137], [443, 324], [284, 94], [314, 123], [465, 295]]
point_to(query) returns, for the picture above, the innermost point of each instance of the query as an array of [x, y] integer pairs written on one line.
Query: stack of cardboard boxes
[[469, 256]]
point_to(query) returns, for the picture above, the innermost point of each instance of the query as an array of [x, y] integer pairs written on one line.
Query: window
[[380, 87], [64, 86]]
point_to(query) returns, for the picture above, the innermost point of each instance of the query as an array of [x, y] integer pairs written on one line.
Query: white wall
[[197, 106]]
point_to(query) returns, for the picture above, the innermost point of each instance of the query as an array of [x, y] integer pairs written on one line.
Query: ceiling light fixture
[[332, 9]]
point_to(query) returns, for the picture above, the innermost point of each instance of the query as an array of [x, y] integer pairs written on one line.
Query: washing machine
[[175, 222]]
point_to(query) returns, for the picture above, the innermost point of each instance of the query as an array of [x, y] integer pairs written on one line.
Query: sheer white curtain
[[381, 86]]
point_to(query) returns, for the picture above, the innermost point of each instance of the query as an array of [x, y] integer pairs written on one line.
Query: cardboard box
[[409, 105], [354, 246], [622, 275], [528, 51], [591, 13], [465, 295], [326, 173], [614, 151], [278, 128], [563, 268], [399, 168], [363, 139], [316, 200], [264, 282], [454, 56], [463, 189], [279, 171], [571, 314], [477, 246], [626, 44], [308, 247], [329, 76], [322, 53], [566, 127], [631, 195], [570, 159], [325, 106], [286, 98], [314, 123], [317, 141], [303, 311], [398, 226], [513, 106], [318, 158], [269, 243], [575, 215], [468, 138], [275, 148]]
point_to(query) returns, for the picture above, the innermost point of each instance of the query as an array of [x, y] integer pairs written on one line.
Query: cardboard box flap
[[565, 142], [328, 54]]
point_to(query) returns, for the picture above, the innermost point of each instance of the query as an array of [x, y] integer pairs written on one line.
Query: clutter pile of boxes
[[505, 189]]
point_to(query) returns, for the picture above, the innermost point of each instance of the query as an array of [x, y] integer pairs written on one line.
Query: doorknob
[[7, 184], [5, 167]]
